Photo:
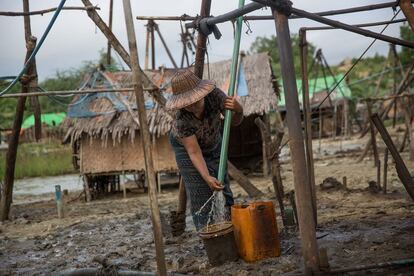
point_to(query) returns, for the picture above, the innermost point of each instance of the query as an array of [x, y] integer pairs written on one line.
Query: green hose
[[228, 114]]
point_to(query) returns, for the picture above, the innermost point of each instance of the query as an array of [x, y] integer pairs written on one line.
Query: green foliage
[[40, 159], [270, 45], [407, 54]]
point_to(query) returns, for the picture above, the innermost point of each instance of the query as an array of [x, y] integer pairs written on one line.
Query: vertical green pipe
[[228, 114]]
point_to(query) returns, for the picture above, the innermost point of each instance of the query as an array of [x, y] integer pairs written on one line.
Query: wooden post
[[146, 140], [108, 53], [320, 130], [300, 176], [410, 139], [400, 166], [307, 118], [87, 188], [147, 39], [379, 175], [59, 202], [243, 181], [7, 193], [345, 182], [347, 125], [272, 154], [201, 41], [151, 26], [373, 139], [385, 171], [408, 11], [265, 144], [34, 101]]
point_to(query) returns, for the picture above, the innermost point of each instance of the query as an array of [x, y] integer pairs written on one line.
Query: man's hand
[[232, 104], [214, 183]]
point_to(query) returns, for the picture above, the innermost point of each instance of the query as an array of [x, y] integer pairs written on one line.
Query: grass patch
[[40, 159]]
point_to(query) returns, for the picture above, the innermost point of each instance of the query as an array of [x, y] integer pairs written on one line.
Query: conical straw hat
[[187, 89]]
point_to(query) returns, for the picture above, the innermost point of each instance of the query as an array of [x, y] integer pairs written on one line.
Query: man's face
[[196, 107]]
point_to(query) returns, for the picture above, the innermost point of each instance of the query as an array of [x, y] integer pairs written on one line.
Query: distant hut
[[106, 141], [330, 115]]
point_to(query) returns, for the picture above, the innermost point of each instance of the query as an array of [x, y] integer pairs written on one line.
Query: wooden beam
[[272, 155], [201, 41], [42, 12], [307, 117], [117, 46], [7, 193], [373, 134], [243, 181], [298, 158], [108, 52], [146, 140], [408, 11], [402, 170], [157, 29]]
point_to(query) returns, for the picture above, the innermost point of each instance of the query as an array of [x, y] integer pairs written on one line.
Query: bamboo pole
[[341, 25], [42, 12], [186, 17], [373, 134], [302, 190], [201, 41], [147, 39], [364, 25], [400, 166], [307, 118], [385, 179], [146, 140], [7, 193], [157, 29], [108, 52], [151, 26], [71, 92], [34, 101], [117, 46]]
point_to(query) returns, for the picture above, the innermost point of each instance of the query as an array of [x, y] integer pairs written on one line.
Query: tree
[[407, 54], [270, 45]]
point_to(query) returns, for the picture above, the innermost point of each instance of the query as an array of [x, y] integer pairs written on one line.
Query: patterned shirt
[[208, 129]]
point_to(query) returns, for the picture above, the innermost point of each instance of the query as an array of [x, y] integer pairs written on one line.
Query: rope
[[36, 49], [356, 62]]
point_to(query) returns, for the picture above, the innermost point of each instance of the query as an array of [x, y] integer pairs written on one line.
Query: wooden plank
[[146, 140], [293, 118]]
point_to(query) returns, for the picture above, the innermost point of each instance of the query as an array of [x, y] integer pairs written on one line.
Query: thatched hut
[[106, 140]]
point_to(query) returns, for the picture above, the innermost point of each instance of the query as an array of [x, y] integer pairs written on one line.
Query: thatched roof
[[109, 118]]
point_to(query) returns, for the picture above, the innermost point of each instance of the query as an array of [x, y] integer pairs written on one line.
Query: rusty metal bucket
[[219, 243]]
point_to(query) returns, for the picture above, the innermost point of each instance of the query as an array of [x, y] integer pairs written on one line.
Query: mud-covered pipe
[[90, 271]]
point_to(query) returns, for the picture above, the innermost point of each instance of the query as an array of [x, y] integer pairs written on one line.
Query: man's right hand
[[214, 183]]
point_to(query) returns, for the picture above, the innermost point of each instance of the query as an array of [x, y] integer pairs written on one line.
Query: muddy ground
[[357, 226]]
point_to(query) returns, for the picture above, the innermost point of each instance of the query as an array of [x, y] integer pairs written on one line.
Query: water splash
[[218, 210]]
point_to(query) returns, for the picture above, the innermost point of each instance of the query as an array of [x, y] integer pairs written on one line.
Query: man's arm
[[232, 104], [193, 149]]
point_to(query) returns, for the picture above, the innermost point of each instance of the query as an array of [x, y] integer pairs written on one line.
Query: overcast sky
[[74, 38]]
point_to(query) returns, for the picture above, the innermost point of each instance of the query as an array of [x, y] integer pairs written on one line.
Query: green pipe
[[228, 113]]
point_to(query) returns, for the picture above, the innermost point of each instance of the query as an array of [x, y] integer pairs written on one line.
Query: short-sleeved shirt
[[208, 129]]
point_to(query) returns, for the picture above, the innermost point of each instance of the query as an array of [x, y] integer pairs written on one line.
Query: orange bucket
[[255, 231]]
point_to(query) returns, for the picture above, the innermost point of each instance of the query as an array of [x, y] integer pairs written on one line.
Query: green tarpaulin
[[342, 91], [50, 119]]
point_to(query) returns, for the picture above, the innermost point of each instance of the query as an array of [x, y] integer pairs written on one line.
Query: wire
[[356, 62], [36, 49]]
